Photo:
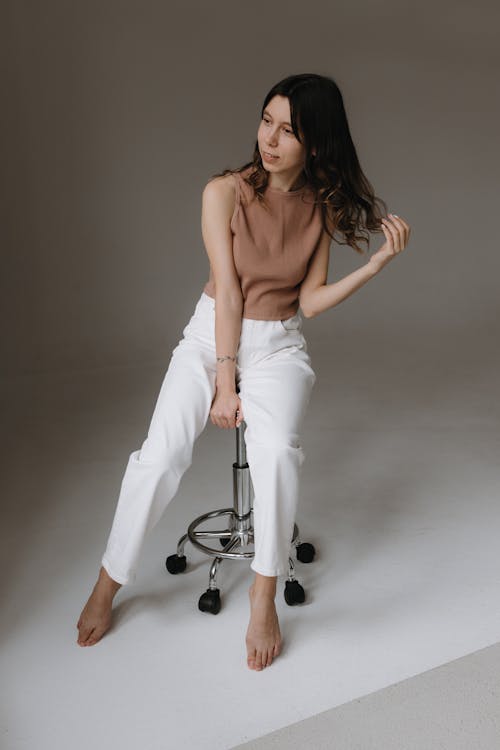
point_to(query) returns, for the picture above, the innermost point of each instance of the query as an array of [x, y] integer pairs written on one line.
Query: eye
[[287, 130]]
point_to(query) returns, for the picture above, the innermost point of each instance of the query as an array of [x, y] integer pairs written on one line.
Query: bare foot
[[95, 618], [263, 638]]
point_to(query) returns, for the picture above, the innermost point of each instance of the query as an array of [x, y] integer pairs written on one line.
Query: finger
[[399, 221], [388, 235], [388, 238], [402, 221], [403, 228], [394, 233], [400, 232]]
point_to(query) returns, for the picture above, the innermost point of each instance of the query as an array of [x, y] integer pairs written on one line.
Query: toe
[[85, 635], [96, 636], [251, 659]]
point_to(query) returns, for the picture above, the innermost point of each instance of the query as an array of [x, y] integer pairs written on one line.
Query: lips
[[274, 156]]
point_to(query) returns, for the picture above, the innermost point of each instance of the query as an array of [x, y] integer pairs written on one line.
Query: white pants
[[275, 379]]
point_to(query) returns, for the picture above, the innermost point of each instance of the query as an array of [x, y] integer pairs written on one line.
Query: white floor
[[452, 707], [401, 500]]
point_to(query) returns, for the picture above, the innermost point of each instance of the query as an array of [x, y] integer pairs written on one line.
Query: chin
[[266, 165]]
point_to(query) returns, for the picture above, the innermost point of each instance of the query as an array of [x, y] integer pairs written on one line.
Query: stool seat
[[238, 534]]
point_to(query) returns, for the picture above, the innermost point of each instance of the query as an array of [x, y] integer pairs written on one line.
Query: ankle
[[263, 590], [105, 584]]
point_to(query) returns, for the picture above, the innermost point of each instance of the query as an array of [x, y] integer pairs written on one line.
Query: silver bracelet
[[226, 356]]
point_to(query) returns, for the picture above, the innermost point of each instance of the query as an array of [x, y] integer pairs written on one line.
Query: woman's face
[[276, 137]]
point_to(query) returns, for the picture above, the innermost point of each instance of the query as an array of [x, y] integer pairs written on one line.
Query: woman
[[267, 229]]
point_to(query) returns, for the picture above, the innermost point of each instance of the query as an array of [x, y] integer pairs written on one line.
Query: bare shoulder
[[219, 194], [217, 208]]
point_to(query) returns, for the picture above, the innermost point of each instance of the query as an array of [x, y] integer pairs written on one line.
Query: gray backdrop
[[116, 114]]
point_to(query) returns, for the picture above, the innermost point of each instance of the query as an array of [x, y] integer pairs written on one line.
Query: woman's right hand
[[226, 409]]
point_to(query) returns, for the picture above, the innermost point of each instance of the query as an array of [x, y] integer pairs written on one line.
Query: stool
[[238, 534]]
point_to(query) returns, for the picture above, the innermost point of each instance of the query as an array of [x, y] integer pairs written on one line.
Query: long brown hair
[[346, 198]]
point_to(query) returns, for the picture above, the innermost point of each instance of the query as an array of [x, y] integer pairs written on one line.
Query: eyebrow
[[266, 112]]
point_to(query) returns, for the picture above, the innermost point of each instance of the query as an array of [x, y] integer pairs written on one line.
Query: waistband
[[208, 302]]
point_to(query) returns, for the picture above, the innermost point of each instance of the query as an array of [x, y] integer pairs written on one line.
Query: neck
[[287, 182]]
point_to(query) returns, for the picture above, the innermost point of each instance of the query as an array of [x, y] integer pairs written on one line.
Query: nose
[[271, 139]]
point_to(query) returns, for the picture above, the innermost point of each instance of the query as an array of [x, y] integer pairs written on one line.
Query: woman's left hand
[[397, 233]]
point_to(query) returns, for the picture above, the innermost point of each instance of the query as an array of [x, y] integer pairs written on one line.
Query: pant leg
[[275, 388], [153, 473]]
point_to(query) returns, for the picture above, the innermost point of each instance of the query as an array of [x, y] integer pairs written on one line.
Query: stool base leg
[[239, 533]]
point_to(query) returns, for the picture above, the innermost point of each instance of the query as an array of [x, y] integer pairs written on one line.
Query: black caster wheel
[[209, 601], [294, 593], [305, 552], [176, 564]]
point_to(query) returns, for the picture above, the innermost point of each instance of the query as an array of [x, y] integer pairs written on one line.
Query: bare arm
[[316, 295], [218, 202]]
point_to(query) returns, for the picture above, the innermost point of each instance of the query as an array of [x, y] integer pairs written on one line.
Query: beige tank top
[[271, 249]]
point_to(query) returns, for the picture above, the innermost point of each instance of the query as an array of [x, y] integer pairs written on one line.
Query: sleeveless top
[[271, 248]]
